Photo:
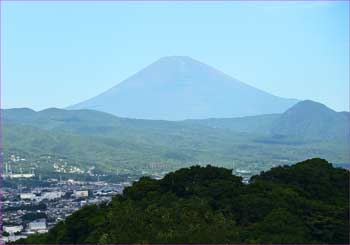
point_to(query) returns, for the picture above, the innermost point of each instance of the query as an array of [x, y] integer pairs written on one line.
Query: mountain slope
[[93, 137], [309, 119], [209, 205], [177, 88], [260, 124]]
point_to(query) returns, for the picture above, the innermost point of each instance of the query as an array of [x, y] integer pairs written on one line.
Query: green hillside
[[309, 119], [91, 138], [251, 124], [304, 203]]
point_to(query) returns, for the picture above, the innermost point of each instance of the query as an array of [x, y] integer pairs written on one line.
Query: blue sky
[[55, 54]]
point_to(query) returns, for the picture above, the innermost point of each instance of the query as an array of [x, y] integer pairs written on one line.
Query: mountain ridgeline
[[312, 119], [111, 142], [178, 88], [307, 118], [304, 203]]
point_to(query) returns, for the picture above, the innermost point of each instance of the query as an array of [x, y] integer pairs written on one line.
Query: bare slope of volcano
[[177, 88]]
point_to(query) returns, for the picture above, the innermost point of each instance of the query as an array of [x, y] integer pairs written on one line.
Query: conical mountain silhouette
[[179, 87], [310, 119]]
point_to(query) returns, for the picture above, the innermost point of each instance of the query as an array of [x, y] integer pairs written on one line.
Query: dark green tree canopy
[[304, 203]]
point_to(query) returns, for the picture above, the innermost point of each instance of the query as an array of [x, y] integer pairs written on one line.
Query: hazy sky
[[55, 54]]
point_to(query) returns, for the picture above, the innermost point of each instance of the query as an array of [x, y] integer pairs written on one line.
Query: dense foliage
[[128, 146], [304, 203]]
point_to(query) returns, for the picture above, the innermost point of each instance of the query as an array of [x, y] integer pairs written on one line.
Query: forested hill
[[304, 203]]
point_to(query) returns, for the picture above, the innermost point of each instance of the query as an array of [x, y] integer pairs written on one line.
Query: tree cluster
[[304, 203]]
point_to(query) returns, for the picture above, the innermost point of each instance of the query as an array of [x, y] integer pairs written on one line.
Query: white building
[[51, 195], [6, 239], [13, 229], [27, 196], [80, 194], [16, 176], [38, 226]]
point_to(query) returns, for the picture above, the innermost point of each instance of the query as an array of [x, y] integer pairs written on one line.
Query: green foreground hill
[[304, 203]]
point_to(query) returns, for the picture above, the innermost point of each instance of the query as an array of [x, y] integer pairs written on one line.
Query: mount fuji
[[179, 88]]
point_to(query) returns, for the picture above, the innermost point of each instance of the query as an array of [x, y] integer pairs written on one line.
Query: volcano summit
[[178, 88]]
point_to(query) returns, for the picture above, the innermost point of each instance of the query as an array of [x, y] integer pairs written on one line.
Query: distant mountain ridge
[[306, 119], [111, 142], [178, 88], [314, 120]]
